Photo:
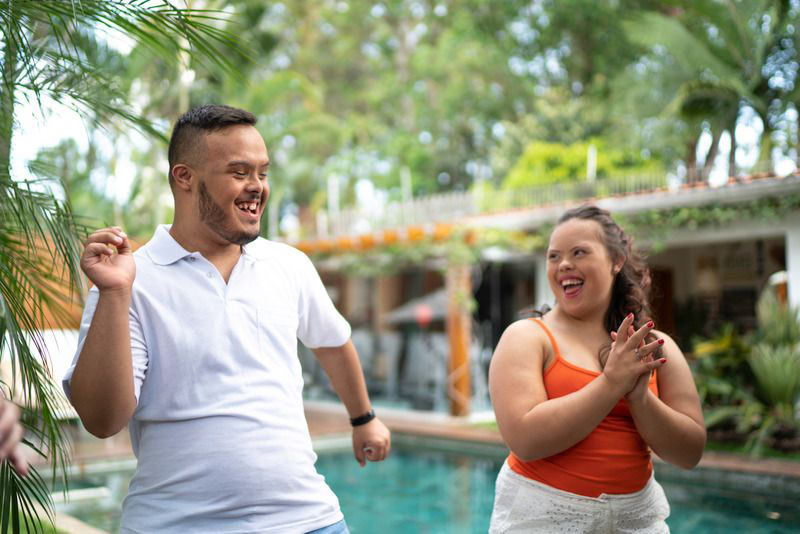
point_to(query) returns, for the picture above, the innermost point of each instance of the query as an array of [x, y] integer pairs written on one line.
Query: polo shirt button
[[192, 258]]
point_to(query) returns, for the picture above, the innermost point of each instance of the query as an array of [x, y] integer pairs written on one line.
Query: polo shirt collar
[[163, 249], [253, 251]]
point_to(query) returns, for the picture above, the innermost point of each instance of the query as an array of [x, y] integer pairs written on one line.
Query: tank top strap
[[549, 336]]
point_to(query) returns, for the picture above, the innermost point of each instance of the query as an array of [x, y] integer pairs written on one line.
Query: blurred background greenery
[[385, 100], [447, 95]]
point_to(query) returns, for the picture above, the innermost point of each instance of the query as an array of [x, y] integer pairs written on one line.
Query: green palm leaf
[[51, 48]]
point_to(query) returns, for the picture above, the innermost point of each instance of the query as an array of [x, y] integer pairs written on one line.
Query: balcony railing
[[457, 206]]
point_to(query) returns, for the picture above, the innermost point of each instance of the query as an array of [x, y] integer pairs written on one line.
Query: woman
[[583, 394]]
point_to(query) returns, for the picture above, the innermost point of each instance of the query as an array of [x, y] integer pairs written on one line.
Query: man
[[10, 436], [193, 342]]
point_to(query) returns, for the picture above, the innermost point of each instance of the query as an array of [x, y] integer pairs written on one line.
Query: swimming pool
[[425, 490]]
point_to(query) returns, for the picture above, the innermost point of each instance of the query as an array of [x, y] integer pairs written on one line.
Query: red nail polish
[[650, 324], [663, 360], [630, 316], [660, 341]]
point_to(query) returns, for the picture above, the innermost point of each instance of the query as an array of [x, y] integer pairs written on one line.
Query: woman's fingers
[[622, 331], [650, 349], [637, 338], [654, 364]]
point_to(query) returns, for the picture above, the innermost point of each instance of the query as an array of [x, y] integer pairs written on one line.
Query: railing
[[456, 206], [498, 201]]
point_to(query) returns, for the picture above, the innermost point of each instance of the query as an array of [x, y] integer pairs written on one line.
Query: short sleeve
[[320, 323], [138, 347]]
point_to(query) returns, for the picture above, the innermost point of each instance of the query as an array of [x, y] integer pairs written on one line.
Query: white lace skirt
[[524, 505]]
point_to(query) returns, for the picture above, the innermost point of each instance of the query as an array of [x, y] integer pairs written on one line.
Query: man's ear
[[183, 176]]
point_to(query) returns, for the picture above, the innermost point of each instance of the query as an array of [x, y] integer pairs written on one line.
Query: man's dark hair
[[200, 121]]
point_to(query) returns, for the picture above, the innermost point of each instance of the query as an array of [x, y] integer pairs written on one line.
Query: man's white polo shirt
[[219, 429]]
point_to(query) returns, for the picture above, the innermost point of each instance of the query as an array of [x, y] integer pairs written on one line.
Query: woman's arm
[[534, 426], [672, 423]]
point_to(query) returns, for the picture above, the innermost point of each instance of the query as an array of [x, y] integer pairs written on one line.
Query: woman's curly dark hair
[[631, 290]]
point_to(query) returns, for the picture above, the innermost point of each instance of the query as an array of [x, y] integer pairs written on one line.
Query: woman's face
[[579, 268]]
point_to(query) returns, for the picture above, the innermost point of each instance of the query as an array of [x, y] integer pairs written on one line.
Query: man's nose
[[255, 184]]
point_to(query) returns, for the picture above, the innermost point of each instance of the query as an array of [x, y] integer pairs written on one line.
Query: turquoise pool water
[[441, 493], [428, 491]]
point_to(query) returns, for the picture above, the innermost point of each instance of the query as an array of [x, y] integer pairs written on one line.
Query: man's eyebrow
[[242, 163]]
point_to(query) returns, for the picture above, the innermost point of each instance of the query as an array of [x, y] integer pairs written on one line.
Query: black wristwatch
[[363, 419]]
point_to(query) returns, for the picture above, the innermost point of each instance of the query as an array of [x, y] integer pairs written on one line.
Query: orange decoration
[[307, 247], [366, 241], [470, 237], [323, 245], [442, 231], [415, 233], [389, 237], [345, 243]]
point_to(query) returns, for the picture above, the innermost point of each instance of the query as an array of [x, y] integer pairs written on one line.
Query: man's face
[[232, 187]]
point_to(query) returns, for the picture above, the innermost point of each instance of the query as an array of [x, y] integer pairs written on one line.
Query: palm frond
[[52, 49], [24, 495], [654, 29], [39, 248]]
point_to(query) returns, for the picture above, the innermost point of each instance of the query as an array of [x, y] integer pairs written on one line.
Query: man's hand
[[10, 436], [107, 270], [371, 441]]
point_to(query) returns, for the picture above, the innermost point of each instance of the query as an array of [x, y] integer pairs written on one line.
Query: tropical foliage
[[399, 98], [417, 98], [53, 53], [545, 163], [750, 385]]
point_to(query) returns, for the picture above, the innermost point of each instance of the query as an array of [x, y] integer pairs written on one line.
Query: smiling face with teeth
[[579, 268], [231, 188]]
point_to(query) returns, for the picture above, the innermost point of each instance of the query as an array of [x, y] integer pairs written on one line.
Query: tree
[[715, 57], [544, 163], [47, 56], [379, 90]]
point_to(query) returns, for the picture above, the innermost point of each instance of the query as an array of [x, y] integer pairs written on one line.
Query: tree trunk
[[765, 152], [691, 161], [797, 147], [713, 150], [732, 170]]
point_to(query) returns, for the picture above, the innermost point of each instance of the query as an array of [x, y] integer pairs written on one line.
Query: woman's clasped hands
[[631, 361]]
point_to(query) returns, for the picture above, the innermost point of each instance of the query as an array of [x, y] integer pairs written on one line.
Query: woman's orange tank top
[[613, 459]]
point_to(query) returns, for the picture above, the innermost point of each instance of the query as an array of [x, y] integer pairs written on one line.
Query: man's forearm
[[343, 368], [102, 383]]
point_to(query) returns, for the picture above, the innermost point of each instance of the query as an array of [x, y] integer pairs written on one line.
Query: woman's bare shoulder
[[670, 346], [522, 341]]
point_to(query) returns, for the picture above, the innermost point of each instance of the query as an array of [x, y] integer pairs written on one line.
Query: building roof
[[527, 210]]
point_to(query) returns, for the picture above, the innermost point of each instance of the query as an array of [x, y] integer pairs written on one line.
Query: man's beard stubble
[[214, 216]]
